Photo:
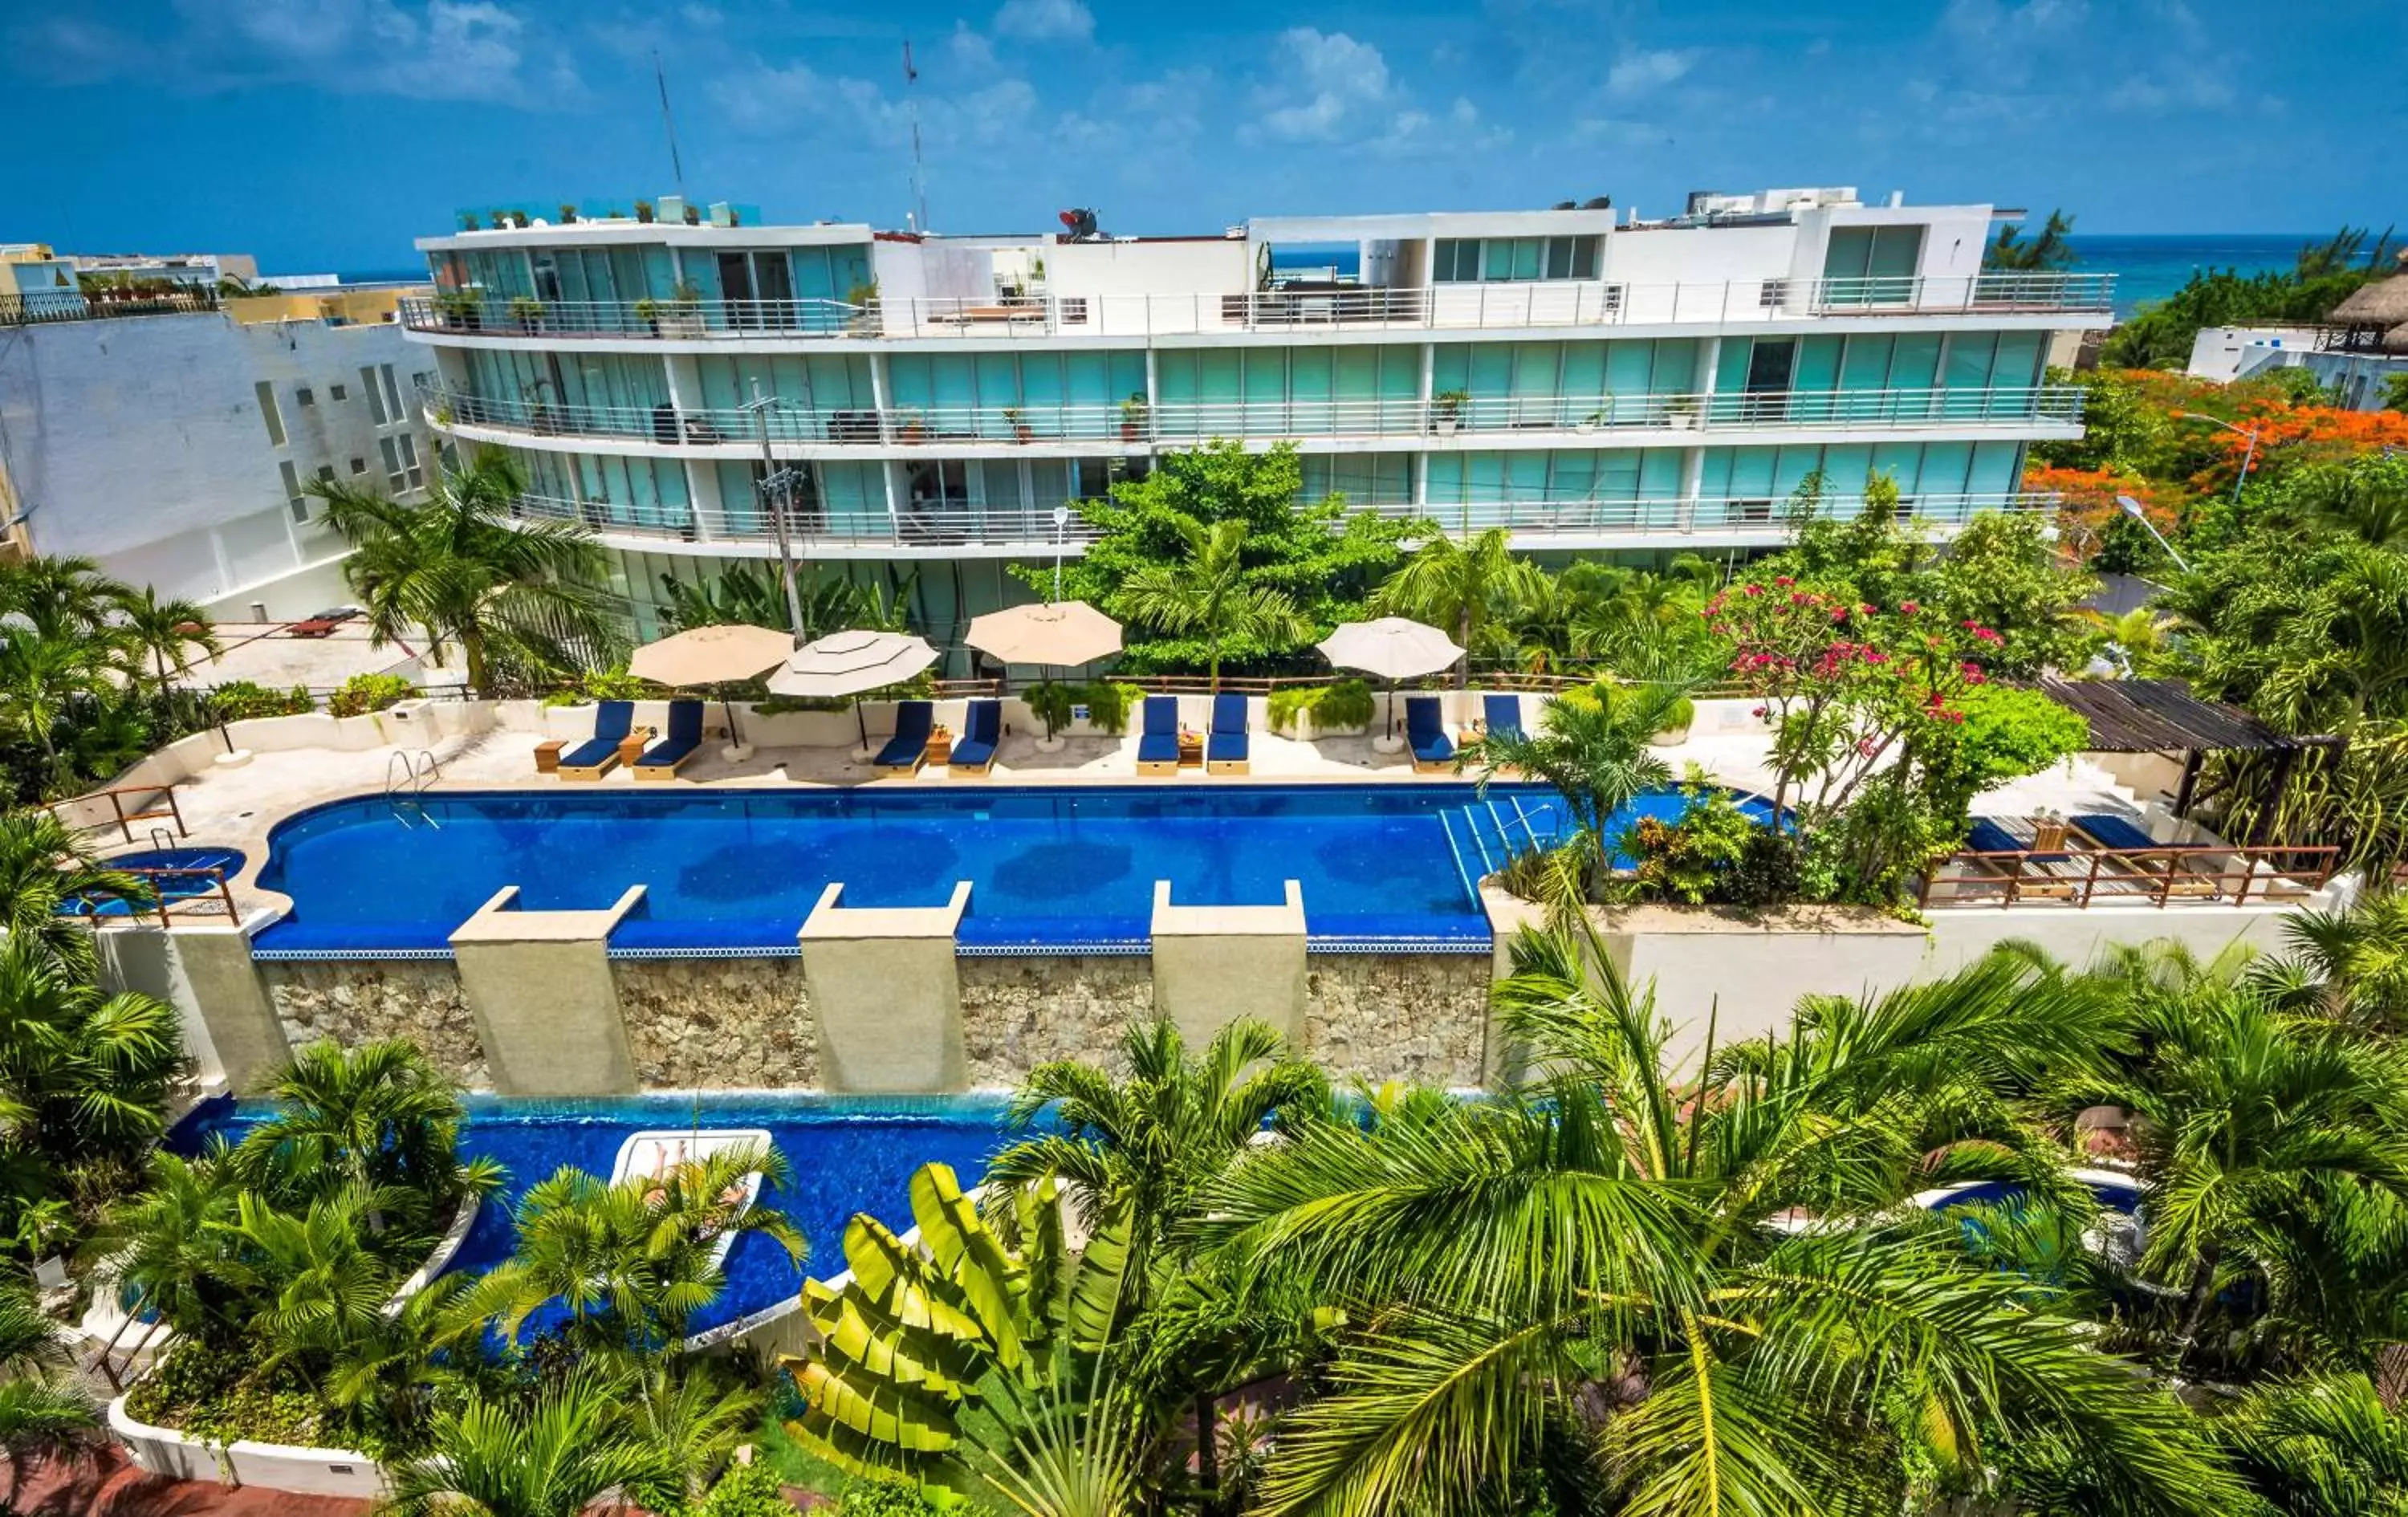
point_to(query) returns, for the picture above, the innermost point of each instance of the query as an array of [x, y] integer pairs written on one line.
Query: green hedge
[[1348, 703]]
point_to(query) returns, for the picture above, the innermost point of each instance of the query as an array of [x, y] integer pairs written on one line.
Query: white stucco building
[[1589, 382]]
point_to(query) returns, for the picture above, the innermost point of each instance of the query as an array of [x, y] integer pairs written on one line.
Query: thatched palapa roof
[[2382, 304]]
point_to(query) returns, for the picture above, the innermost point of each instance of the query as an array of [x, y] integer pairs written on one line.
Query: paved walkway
[[107, 1485]]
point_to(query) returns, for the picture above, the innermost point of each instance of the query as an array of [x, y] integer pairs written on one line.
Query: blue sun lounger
[[1502, 715], [2114, 831], [1158, 744], [1226, 750], [661, 760], [1426, 733], [907, 748], [981, 729], [614, 720]]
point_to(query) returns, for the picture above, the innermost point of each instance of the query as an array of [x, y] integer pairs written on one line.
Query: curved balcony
[[1549, 420], [1554, 303], [960, 527]]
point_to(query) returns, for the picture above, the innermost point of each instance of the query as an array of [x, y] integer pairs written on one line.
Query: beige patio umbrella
[[1061, 632], [849, 663], [1393, 648], [722, 656]]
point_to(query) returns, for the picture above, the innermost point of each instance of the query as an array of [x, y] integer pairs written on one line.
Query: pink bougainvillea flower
[[1908, 608]]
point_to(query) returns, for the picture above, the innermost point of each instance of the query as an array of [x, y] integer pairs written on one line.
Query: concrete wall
[[546, 1008], [139, 442], [1213, 964], [883, 985]]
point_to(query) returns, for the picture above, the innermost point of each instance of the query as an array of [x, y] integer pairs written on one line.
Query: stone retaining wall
[[704, 1024], [1017, 1013], [359, 1000], [1408, 1016]]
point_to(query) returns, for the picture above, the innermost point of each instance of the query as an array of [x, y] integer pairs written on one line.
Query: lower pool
[[846, 1156], [176, 874], [1056, 866]]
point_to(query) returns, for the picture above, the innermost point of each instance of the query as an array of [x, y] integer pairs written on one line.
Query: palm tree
[[696, 1419], [167, 632], [379, 1119], [1142, 1148], [2327, 1446], [520, 595], [44, 676], [63, 597], [41, 1421], [1461, 585], [2255, 1122], [549, 1457], [1588, 1270], [43, 864], [631, 1262], [1207, 594], [2142, 638], [1592, 746], [168, 1240], [82, 1072]]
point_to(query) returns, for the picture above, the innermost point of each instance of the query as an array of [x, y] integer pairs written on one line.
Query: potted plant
[[518, 219], [1676, 723], [648, 311], [460, 309], [471, 222], [681, 315], [644, 211], [568, 216], [693, 216], [1135, 413], [1590, 422], [1446, 410], [910, 426], [1682, 412], [528, 312], [1019, 424], [863, 317]]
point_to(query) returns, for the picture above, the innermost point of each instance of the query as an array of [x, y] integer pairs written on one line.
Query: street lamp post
[[777, 489], [2133, 509], [2246, 459]]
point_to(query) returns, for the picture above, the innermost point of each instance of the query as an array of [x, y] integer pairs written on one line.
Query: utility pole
[[777, 489]]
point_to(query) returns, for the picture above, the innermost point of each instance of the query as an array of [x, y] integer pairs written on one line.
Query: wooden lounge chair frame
[[647, 771]]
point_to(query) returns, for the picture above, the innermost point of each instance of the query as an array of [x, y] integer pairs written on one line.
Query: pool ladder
[[1487, 834], [407, 776]]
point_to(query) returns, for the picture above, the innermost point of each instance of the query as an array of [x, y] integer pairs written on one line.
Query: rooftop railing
[[958, 522], [1566, 304], [19, 310], [941, 427]]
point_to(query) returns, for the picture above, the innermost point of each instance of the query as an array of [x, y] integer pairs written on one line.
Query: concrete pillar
[[206, 973], [546, 1005], [1215, 964], [887, 992]]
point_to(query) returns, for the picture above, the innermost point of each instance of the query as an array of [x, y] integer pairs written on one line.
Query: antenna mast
[[668, 122], [918, 168]]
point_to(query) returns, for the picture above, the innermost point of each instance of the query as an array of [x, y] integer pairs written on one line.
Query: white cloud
[[1045, 21], [438, 49], [970, 49], [1333, 87], [762, 99], [1638, 71]]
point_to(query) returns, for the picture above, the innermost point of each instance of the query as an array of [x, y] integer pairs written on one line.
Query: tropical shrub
[[242, 701], [1049, 702], [746, 1490], [1348, 703], [363, 692], [1695, 858], [591, 685], [1107, 704]]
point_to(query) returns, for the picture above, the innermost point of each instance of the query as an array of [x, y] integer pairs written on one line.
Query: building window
[[292, 491], [268, 413], [1504, 260], [393, 480], [1773, 293], [392, 393], [413, 475], [376, 396], [359, 466], [301, 397], [326, 473], [335, 391]]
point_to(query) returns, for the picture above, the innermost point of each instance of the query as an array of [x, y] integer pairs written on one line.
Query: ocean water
[[2150, 268]]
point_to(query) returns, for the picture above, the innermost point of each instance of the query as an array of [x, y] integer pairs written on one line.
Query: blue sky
[[326, 134]]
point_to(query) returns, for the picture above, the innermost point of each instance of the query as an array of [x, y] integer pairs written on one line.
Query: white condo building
[[1593, 383]]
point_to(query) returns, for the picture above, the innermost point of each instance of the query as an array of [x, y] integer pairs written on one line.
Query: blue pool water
[[846, 1157], [206, 865], [2122, 1197], [1056, 866]]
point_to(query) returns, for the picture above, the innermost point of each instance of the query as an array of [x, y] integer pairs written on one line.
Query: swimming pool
[[178, 874], [847, 1156], [1057, 867]]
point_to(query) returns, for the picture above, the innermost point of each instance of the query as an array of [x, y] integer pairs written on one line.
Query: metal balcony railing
[[944, 426], [1549, 304], [960, 522]]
